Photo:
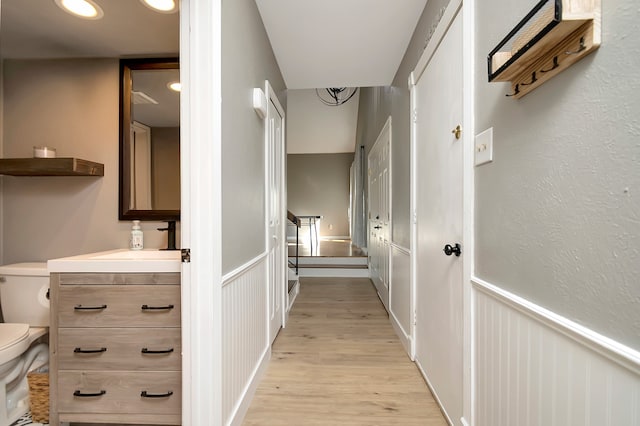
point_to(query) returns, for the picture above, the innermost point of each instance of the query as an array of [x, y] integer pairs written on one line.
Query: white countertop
[[120, 260]]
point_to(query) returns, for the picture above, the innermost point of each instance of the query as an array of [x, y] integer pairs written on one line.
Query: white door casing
[[352, 199], [275, 207], [438, 217], [379, 183], [201, 210]]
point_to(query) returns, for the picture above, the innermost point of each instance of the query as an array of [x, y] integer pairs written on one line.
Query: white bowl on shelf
[[44, 152]]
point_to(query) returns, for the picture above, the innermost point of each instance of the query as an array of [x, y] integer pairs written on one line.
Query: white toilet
[[25, 308]]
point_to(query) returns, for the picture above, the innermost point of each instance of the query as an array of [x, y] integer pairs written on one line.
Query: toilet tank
[[24, 293]]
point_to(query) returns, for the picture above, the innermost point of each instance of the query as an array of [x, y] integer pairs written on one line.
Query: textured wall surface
[[71, 105], [248, 62], [558, 211], [318, 184]]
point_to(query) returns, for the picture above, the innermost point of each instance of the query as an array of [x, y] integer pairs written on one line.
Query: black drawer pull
[[89, 351], [165, 351], [89, 395], [146, 394], [89, 308], [156, 308]]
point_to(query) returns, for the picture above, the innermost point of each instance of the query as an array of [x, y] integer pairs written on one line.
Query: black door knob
[[449, 250]]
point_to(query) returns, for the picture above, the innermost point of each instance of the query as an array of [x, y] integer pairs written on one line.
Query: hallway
[[339, 362]]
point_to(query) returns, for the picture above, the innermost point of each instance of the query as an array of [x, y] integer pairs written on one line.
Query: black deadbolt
[[449, 250]]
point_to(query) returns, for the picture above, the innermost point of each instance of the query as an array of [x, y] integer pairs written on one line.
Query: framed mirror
[[149, 139]]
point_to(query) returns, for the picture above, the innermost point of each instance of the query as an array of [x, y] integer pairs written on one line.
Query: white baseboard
[[293, 294], [405, 338], [433, 392], [245, 401]]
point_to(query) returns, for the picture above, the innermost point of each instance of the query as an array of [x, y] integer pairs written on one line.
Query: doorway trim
[[467, 9], [379, 144], [468, 210], [201, 155], [272, 97]]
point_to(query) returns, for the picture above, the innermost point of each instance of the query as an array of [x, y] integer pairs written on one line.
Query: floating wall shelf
[[50, 167], [553, 36]]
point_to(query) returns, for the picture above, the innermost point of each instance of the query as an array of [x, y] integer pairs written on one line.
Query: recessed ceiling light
[[175, 86], [162, 6], [86, 9]]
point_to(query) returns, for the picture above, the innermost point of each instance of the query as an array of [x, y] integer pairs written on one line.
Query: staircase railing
[[295, 221]]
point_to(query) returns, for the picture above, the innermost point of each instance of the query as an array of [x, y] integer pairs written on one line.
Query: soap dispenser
[[136, 241]]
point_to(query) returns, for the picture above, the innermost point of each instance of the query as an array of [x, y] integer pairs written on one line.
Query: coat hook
[[580, 49], [555, 65], [514, 93], [533, 79]]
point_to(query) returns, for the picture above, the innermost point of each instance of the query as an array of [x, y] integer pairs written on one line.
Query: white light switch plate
[[484, 147]]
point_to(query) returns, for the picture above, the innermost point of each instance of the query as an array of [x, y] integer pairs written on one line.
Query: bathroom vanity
[[115, 342]]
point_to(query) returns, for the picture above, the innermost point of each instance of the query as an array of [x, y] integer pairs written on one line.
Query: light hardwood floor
[[339, 362]]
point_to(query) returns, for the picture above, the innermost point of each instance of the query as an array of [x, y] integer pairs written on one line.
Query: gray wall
[[377, 103], [71, 105], [318, 184], [557, 214], [248, 62], [558, 211]]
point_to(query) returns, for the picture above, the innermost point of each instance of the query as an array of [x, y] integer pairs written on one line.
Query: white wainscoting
[[400, 303], [245, 341], [534, 367]]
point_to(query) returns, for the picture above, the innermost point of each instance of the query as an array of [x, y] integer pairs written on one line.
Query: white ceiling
[[40, 29], [166, 113], [314, 128], [326, 43], [337, 43]]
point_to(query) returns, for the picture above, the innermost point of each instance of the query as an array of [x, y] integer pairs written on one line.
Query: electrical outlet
[[484, 147]]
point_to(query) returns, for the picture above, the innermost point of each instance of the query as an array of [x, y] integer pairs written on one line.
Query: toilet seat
[[14, 340]]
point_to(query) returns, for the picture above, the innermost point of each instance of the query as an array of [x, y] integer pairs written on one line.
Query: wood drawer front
[[128, 278], [122, 392], [123, 306], [123, 346]]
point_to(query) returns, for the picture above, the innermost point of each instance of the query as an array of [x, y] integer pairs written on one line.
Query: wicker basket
[[39, 396]]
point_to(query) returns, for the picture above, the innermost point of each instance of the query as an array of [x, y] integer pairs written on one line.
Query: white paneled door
[[380, 212], [276, 243], [438, 96]]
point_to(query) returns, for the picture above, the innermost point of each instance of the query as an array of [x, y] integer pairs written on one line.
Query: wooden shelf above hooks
[[554, 35]]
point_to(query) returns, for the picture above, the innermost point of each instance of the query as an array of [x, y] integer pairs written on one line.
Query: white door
[[275, 207], [380, 212], [439, 160]]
